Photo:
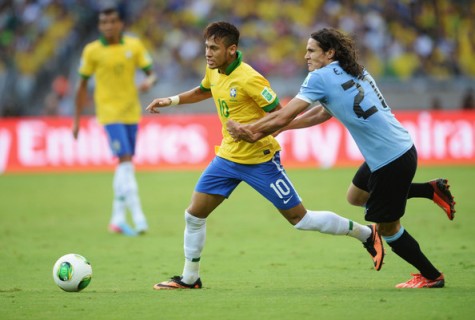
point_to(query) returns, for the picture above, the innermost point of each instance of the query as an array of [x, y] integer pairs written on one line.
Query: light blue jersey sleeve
[[359, 105]]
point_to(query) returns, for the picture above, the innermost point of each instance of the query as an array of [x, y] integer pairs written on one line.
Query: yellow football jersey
[[114, 66], [244, 95]]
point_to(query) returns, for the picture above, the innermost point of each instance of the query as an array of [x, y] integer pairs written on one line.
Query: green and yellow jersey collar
[[234, 64], [104, 42]]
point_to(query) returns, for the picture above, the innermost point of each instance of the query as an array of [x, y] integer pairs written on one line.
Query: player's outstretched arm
[[311, 117], [157, 103], [191, 96], [269, 124], [240, 132]]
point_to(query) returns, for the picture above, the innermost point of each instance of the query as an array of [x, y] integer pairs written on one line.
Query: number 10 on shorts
[[281, 188]]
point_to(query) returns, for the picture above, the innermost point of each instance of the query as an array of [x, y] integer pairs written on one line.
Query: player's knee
[[294, 215], [355, 200]]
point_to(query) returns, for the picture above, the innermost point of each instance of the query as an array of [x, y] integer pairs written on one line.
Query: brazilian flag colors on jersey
[[244, 95], [114, 66]]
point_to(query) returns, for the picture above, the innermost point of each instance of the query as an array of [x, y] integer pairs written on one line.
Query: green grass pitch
[[254, 266]]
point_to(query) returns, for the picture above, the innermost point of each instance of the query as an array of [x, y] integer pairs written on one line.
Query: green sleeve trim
[[272, 106], [203, 88], [84, 76], [147, 68]]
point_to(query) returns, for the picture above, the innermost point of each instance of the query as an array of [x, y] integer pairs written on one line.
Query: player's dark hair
[[225, 31], [345, 50], [110, 10]]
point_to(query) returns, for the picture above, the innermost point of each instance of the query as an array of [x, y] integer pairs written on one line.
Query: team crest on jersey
[[267, 94], [128, 54], [233, 92]]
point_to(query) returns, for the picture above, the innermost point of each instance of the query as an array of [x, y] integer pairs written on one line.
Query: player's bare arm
[[240, 132], [80, 103], [311, 117], [192, 96], [236, 130], [269, 124], [149, 81]]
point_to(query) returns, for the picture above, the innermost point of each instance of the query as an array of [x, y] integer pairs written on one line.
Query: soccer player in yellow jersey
[[244, 95], [113, 60]]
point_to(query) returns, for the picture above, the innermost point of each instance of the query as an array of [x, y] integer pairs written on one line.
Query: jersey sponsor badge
[[267, 94]]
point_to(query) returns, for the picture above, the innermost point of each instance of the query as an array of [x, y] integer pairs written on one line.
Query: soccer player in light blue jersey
[[383, 183]]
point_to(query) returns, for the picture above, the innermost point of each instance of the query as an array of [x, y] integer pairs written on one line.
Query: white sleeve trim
[[304, 98]]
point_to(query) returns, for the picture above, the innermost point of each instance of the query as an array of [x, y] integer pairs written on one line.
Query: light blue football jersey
[[359, 105]]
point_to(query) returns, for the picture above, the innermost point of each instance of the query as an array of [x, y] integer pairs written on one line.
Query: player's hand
[[233, 129], [242, 132], [145, 86], [148, 82], [154, 106]]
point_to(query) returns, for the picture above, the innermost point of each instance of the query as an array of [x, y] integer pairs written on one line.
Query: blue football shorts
[[122, 138], [268, 178]]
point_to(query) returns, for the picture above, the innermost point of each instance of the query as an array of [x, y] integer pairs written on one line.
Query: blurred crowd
[[400, 39], [40, 40], [37, 40]]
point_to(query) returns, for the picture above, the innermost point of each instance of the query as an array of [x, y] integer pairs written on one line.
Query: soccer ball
[[72, 272]]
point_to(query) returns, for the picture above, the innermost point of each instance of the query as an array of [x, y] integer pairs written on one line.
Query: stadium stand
[[412, 47]]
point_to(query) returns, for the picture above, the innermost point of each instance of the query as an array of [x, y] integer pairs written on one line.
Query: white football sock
[[330, 223], [118, 203], [191, 271], [194, 240], [359, 231], [131, 192]]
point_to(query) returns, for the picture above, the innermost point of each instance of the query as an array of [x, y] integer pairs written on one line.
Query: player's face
[[315, 56], [110, 26], [217, 55]]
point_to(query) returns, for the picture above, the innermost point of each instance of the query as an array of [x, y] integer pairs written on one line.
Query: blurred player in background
[[113, 60], [243, 94], [384, 182]]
